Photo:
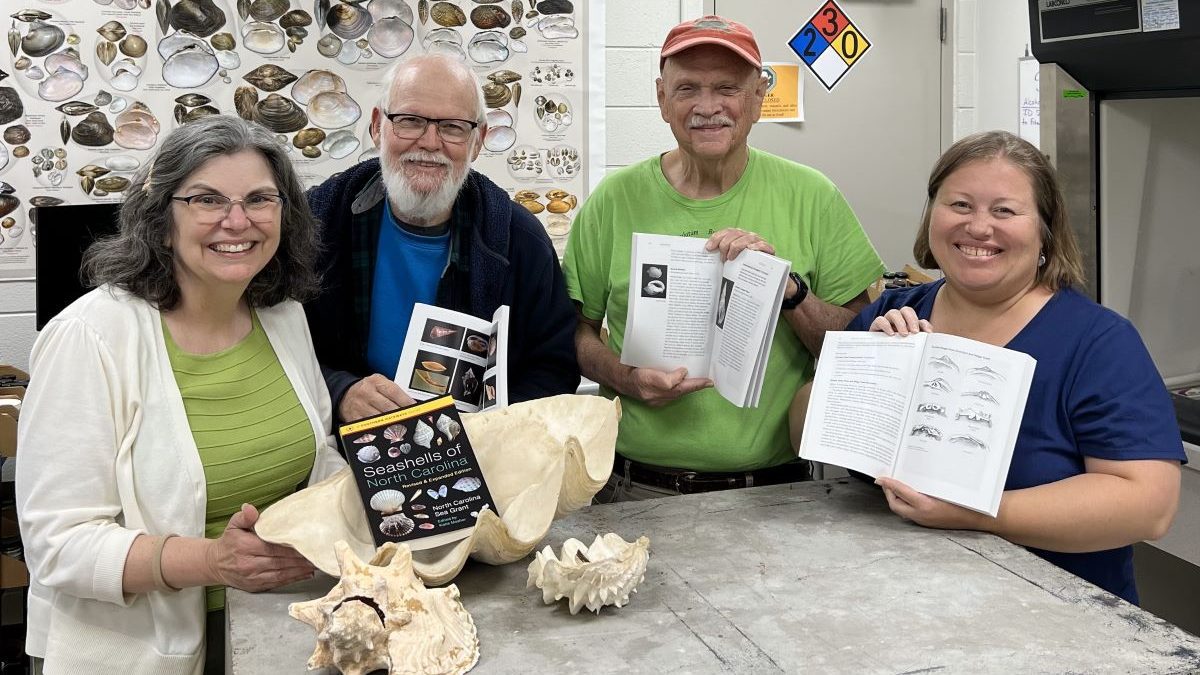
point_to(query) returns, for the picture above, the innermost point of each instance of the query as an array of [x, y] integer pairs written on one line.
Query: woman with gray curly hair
[[168, 406]]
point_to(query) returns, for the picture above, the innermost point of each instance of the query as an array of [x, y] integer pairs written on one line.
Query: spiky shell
[[421, 630], [604, 573]]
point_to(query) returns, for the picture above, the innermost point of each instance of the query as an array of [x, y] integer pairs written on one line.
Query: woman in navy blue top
[[1096, 464]]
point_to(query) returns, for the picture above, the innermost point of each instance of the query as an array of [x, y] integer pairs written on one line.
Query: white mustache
[[702, 121], [422, 156]]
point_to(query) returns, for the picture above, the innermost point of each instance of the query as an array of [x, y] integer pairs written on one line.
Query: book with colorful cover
[[417, 474]]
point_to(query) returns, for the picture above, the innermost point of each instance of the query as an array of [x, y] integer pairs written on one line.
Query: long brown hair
[[1064, 264]]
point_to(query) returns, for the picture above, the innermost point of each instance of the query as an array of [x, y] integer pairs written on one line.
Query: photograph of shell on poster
[[88, 88]]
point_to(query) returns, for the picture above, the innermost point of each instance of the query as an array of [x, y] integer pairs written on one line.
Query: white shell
[[60, 86], [367, 453], [499, 139], [124, 81], [229, 60], [379, 9], [543, 459], [190, 67], [135, 136], [449, 428], [423, 434], [387, 502], [333, 110], [264, 38], [422, 630], [315, 82], [180, 40], [390, 36], [604, 573], [122, 163]]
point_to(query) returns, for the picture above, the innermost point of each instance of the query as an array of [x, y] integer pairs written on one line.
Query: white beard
[[418, 207]]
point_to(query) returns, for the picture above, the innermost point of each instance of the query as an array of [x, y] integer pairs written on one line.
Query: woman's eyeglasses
[[217, 207], [411, 127]]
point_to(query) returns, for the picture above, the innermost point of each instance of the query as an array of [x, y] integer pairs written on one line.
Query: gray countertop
[[809, 577]]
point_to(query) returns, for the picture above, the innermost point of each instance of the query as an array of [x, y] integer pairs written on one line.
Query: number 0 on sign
[[829, 44]]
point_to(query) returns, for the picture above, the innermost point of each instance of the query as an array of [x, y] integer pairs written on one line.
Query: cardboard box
[[13, 573]]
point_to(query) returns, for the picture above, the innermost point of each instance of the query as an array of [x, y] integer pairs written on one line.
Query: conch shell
[[380, 616], [604, 573], [542, 460]]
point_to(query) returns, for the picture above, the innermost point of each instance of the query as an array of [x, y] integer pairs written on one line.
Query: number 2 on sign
[[811, 33]]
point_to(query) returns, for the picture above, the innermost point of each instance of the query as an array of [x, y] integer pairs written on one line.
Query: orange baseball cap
[[712, 30]]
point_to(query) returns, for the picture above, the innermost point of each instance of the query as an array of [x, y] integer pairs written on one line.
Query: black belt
[[685, 481]]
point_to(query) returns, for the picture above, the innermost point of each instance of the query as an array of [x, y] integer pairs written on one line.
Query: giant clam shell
[[268, 10], [489, 16], [264, 38], [60, 86], [448, 15], [390, 36], [269, 77], [199, 17], [42, 39], [245, 100], [94, 131], [190, 67], [314, 82], [380, 9], [488, 47], [563, 444], [280, 114], [348, 21], [333, 110]]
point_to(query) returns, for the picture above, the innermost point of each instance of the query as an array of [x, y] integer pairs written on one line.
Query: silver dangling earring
[[1041, 260]]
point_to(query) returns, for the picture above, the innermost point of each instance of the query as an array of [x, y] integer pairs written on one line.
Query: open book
[[448, 352], [937, 412], [417, 474], [689, 309]]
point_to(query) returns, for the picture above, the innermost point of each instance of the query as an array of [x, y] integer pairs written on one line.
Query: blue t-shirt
[[408, 267], [1095, 393]]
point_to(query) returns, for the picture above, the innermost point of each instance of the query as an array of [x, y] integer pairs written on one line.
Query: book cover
[[417, 474]]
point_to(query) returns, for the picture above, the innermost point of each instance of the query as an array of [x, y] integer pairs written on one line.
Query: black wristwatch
[[801, 293]]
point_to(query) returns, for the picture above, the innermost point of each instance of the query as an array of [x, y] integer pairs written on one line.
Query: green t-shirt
[[793, 207], [255, 440]]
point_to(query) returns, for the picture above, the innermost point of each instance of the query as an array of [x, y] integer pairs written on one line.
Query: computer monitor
[[63, 234]]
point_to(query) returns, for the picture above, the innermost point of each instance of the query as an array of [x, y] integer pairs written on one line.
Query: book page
[[963, 422], [860, 400], [673, 282], [744, 323], [446, 352], [495, 378]]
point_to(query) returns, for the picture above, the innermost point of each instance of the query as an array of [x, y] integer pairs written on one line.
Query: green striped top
[[254, 437]]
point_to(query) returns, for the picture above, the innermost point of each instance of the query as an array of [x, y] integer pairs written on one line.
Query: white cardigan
[[106, 454]]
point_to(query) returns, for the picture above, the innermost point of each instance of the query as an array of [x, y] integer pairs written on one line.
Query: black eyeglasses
[[411, 127], [217, 207]]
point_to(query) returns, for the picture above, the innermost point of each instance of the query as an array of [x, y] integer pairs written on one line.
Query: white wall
[[988, 36]]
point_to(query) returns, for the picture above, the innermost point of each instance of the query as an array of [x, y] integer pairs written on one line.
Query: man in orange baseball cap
[[677, 434]]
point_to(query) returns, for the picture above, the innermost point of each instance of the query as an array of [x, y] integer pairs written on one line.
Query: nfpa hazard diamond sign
[[829, 44]]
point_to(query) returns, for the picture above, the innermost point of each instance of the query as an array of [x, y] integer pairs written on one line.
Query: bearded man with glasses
[[419, 225]]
